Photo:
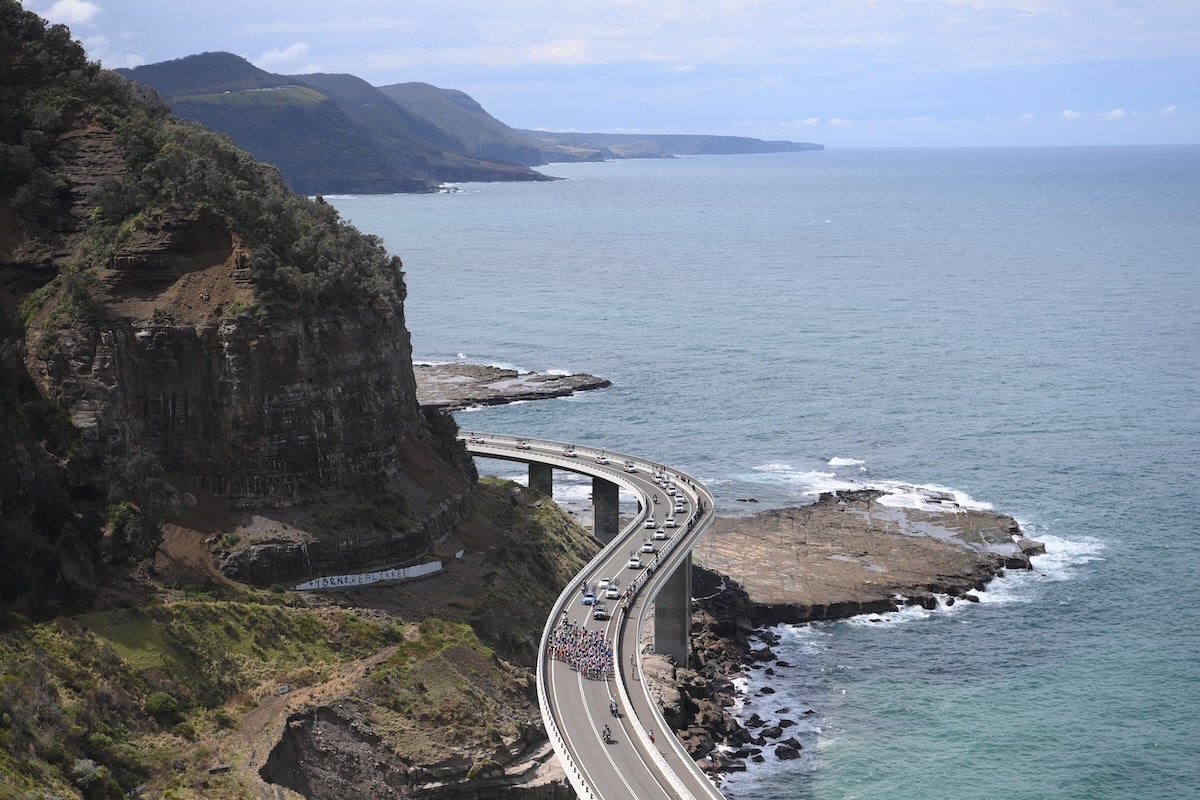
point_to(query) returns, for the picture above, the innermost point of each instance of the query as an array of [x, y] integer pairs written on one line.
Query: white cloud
[[1027, 116], [1167, 110], [1116, 113], [838, 122], [71, 12], [1067, 113], [99, 48], [288, 60], [342, 24], [562, 51]]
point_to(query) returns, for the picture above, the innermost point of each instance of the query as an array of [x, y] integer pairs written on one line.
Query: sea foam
[[837, 461]]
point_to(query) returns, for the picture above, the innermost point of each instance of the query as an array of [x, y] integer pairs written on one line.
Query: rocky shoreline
[[847, 554], [458, 386]]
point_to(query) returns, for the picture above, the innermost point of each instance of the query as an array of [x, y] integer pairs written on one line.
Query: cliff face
[[260, 412]]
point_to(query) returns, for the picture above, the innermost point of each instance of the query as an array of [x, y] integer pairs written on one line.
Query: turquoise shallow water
[[1018, 326]]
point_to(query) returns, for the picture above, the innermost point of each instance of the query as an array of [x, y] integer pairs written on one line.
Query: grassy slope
[[112, 698]]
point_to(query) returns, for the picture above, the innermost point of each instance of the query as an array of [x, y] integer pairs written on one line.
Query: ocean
[[1018, 326]]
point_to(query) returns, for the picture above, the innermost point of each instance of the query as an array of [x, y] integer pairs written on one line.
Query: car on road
[[669, 522], [680, 507], [589, 598], [650, 523], [569, 452], [601, 458], [671, 491], [648, 546], [629, 467], [477, 440], [599, 611], [602, 584], [521, 444], [660, 533], [635, 561], [612, 592]]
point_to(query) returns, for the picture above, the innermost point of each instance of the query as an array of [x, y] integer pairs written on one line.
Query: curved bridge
[[575, 707]]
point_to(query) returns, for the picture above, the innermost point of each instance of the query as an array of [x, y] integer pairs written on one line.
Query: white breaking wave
[[927, 497], [837, 461]]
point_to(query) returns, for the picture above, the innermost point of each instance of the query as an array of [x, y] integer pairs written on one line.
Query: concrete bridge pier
[[606, 510], [673, 614], [541, 478]]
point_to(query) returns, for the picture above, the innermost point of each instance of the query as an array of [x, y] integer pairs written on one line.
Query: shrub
[[163, 707], [86, 773]]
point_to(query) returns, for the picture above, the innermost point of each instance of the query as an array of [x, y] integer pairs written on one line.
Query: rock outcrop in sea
[[844, 555]]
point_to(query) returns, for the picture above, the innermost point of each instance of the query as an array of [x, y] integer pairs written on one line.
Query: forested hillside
[[325, 133]]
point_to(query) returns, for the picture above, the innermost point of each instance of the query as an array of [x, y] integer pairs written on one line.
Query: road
[[576, 708]]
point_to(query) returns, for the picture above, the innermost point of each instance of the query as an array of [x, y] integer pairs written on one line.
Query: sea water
[[1020, 327]]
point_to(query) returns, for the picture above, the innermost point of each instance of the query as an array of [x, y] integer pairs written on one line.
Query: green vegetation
[[441, 687], [303, 256], [130, 690], [276, 97], [325, 133], [135, 511], [91, 706]]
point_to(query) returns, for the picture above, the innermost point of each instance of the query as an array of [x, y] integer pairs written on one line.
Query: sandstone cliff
[[206, 332]]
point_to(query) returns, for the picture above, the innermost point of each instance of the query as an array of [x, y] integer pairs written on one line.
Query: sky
[[843, 73]]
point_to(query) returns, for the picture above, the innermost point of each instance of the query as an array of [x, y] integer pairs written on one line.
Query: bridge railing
[[698, 522]]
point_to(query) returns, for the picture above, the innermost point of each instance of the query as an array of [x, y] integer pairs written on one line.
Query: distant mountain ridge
[[325, 133], [666, 145], [329, 133]]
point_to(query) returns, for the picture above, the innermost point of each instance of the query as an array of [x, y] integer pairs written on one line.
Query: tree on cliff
[[301, 252]]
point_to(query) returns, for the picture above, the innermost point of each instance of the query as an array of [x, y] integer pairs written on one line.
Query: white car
[[599, 611], [635, 561], [671, 491], [660, 534], [612, 592], [521, 444], [648, 546], [602, 584], [569, 452], [669, 522], [650, 523], [629, 467], [601, 458], [477, 440]]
